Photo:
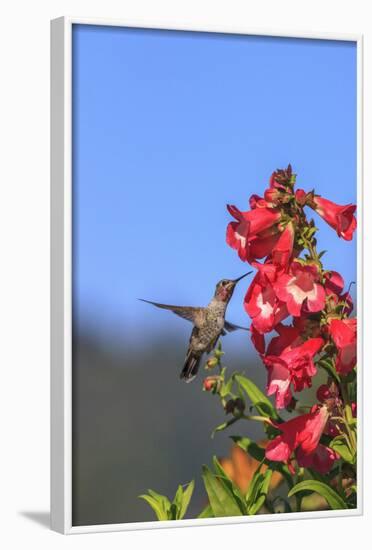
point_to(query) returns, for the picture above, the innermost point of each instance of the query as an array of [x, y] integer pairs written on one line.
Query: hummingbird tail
[[191, 366]]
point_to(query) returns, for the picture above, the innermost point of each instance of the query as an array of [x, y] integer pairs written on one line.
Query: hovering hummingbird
[[209, 324]]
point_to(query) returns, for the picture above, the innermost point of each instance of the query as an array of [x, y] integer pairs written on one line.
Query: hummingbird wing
[[230, 327], [193, 314]]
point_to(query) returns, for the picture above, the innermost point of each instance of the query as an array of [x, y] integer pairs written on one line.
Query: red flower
[[301, 196], [258, 339], [261, 302], [334, 283], [255, 232], [255, 201], [289, 336], [344, 335], [321, 460], [340, 218], [289, 361], [283, 250], [302, 435], [273, 195], [300, 287]]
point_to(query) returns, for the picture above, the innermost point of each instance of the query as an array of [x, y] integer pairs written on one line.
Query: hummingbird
[[209, 324]]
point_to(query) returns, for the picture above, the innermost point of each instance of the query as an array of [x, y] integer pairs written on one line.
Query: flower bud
[[300, 196], [272, 195], [235, 407], [219, 353], [212, 384], [328, 394], [323, 393], [211, 363]]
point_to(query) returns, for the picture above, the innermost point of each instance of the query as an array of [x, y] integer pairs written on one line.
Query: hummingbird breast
[[205, 337]]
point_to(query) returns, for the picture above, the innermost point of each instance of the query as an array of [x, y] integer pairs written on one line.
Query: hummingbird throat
[[223, 294]]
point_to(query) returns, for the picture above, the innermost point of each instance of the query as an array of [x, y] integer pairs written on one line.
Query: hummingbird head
[[225, 288]]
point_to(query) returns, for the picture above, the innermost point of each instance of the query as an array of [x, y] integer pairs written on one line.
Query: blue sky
[[168, 127]]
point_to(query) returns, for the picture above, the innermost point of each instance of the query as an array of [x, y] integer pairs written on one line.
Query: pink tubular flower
[[344, 335], [300, 287], [302, 435], [340, 218], [300, 196], [321, 460], [260, 301], [272, 195], [334, 283], [333, 286], [289, 336], [258, 339], [290, 361], [255, 232]]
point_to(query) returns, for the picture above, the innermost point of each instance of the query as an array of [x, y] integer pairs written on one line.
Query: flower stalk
[[301, 324]]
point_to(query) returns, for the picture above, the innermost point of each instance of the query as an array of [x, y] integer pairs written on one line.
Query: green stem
[[348, 417], [257, 418], [298, 497]]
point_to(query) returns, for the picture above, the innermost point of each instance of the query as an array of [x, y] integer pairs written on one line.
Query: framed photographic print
[[206, 275]]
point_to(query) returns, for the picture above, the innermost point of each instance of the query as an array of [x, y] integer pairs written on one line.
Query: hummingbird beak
[[242, 277]]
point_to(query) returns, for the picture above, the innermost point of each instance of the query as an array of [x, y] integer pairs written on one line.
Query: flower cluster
[[306, 305], [303, 331]]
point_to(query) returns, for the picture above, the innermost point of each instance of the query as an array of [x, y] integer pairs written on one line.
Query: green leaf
[[254, 487], [224, 425], [256, 452], [311, 232], [222, 501], [229, 484], [206, 513], [158, 496], [172, 513], [350, 377], [339, 445], [259, 400], [334, 500], [226, 387], [177, 501], [164, 509], [261, 495], [186, 497], [327, 365], [157, 506]]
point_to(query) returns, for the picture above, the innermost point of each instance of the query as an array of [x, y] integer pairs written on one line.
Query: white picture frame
[[61, 273]]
